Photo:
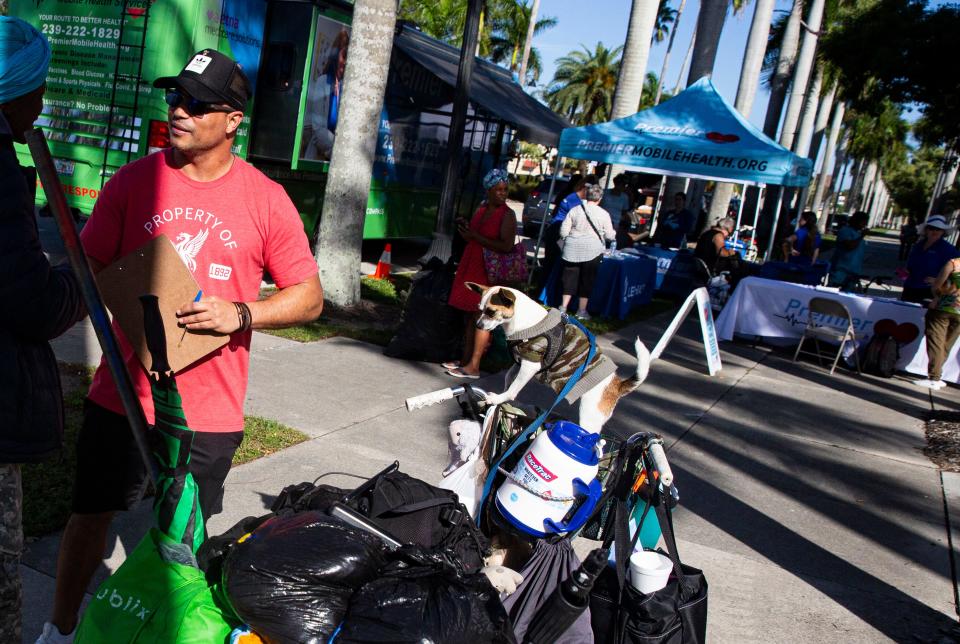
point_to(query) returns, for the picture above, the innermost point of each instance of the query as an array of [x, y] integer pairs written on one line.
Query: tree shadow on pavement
[[779, 495]]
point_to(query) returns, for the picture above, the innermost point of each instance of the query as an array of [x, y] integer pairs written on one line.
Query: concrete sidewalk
[[804, 497]]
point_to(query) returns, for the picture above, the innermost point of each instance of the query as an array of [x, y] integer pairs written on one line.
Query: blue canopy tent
[[695, 134]]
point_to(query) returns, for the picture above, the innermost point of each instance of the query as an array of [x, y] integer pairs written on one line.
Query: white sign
[[701, 299], [710, 344]]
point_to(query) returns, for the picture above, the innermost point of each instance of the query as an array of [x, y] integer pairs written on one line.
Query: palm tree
[[666, 19], [801, 74], [636, 51], [351, 165], [510, 22], [778, 62], [445, 19], [649, 95], [666, 55], [746, 89], [583, 84]]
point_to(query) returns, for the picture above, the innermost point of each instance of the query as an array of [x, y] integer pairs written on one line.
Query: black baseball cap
[[211, 77]]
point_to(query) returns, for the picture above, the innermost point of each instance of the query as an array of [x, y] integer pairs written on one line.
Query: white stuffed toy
[[462, 442]]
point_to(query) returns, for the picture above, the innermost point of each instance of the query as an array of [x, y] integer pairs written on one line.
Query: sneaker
[[930, 384], [52, 635], [583, 315]]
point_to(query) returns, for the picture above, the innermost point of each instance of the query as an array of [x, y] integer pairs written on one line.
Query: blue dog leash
[[535, 425]]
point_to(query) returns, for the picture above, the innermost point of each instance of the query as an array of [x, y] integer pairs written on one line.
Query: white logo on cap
[[198, 64]]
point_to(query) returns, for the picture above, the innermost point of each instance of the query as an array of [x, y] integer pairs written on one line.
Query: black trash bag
[[430, 329], [292, 578], [427, 605]]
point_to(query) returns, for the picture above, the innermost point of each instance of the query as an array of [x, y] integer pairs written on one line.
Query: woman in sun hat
[[927, 258], [493, 226]]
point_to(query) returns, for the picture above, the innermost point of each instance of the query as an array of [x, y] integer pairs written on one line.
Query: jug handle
[[593, 493]]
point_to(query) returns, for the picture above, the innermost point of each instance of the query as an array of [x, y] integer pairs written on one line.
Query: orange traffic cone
[[383, 265]]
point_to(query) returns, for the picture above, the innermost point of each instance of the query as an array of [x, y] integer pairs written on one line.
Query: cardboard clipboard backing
[[155, 269]]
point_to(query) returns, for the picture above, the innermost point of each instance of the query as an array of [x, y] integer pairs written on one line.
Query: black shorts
[[578, 277], [110, 473]]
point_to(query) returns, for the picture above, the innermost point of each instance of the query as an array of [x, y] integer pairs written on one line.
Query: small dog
[[552, 351]]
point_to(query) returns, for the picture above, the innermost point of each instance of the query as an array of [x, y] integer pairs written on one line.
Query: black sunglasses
[[193, 106]]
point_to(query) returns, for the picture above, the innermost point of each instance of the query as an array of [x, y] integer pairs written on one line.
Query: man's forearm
[[293, 305]]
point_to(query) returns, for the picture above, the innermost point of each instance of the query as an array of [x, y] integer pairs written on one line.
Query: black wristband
[[244, 317]]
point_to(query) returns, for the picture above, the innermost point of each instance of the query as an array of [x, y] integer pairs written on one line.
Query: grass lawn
[[48, 486], [374, 321]]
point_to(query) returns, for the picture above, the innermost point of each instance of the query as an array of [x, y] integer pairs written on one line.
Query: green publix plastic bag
[[155, 599], [159, 595]]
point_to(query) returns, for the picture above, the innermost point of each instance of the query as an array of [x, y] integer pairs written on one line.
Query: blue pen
[[196, 299]]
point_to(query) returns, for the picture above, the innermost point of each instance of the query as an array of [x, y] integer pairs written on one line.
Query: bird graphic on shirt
[[188, 246]]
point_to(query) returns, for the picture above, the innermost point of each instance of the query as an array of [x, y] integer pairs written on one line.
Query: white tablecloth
[[778, 312]]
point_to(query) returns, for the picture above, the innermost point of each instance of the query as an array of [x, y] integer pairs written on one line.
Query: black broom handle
[[53, 190]]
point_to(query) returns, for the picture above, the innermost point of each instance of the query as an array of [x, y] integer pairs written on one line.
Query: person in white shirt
[[585, 232], [616, 201]]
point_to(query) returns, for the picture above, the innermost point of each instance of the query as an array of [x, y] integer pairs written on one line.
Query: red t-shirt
[[227, 232]]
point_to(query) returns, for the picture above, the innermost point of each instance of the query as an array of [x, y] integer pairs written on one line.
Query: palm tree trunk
[[746, 90], [805, 133], [528, 43], [666, 56], [801, 74], [832, 192], [351, 165], [713, 13], [804, 138], [798, 94], [686, 58], [781, 77], [819, 202], [710, 21], [823, 118], [633, 63]]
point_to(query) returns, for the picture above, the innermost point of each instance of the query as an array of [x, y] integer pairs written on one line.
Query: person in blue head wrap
[[24, 58], [493, 227], [47, 302]]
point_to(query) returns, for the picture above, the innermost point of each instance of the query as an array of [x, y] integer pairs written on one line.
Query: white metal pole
[[756, 211], [654, 219], [773, 229], [736, 229]]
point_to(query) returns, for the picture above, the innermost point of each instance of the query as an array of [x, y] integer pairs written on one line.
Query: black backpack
[[416, 512], [881, 355]]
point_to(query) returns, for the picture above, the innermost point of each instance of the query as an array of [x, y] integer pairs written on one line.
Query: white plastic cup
[[649, 571]]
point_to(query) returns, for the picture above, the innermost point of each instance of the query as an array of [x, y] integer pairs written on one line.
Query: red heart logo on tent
[[717, 137], [904, 333]]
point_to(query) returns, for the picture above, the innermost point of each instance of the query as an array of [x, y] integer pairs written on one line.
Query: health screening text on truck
[[101, 110]]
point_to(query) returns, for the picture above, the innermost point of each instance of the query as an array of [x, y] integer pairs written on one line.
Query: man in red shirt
[[229, 223]]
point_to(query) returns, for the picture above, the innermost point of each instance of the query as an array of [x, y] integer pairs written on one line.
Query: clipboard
[[156, 269]]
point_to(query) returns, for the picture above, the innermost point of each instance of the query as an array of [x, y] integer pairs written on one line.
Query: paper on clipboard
[[155, 269]]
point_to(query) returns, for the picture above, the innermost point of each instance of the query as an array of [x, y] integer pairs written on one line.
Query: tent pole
[[756, 211], [736, 229], [656, 206], [773, 229], [546, 213]]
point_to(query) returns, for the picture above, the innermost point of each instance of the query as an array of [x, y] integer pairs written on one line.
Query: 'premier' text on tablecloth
[[797, 314]]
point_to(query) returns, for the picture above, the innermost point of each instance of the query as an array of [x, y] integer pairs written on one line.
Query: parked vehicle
[[536, 204], [101, 110]]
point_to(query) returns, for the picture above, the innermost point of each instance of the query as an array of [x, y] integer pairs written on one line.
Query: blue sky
[[586, 23]]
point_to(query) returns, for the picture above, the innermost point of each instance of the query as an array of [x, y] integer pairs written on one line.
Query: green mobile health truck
[[101, 110]]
